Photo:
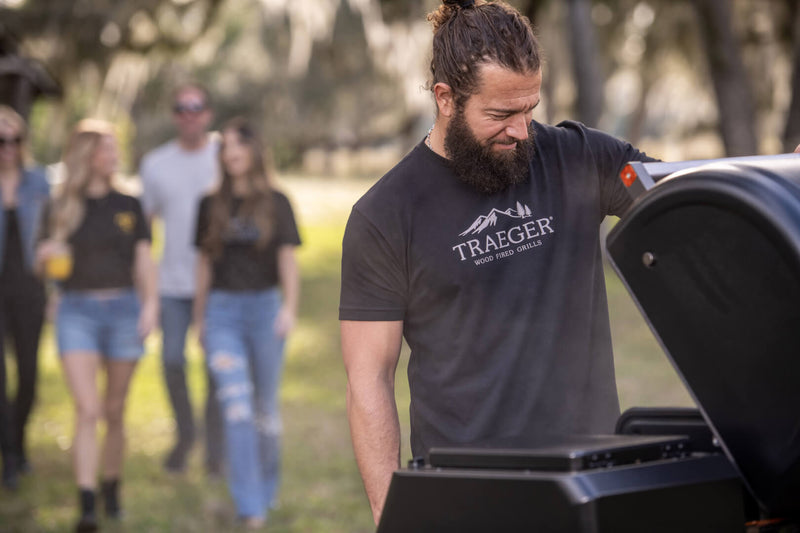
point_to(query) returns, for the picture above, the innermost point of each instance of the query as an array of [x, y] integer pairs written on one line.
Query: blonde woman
[[246, 304], [108, 304], [24, 192]]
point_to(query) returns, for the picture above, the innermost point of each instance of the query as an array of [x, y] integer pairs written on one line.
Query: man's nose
[[517, 128]]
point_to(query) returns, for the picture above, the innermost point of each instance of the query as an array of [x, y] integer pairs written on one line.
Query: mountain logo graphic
[[490, 219]]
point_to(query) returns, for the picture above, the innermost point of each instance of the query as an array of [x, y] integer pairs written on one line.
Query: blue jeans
[[246, 358], [176, 315]]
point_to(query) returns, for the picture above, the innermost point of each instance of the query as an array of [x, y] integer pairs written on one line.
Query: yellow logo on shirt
[[125, 221]]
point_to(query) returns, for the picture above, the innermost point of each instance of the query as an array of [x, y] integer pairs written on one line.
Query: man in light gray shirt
[[175, 176]]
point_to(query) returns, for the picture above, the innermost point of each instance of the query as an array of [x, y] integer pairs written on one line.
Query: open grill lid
[[711, 255]]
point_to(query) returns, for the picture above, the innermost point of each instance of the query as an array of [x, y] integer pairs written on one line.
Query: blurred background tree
[[339, 84]]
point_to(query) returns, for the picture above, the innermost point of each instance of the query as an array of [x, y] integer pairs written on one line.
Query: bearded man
[[481, 248]]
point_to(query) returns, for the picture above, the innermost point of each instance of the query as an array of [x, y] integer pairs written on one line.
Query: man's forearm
[[370, 351], [375, 430]]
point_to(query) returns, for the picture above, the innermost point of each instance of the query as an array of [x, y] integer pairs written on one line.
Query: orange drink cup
[[59, 266]]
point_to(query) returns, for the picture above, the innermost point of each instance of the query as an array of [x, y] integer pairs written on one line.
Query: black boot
[[110, 490], [88, 519], [175, 462], [23, 465]]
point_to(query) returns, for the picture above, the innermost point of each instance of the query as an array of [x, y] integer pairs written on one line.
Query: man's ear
[[445, 99]]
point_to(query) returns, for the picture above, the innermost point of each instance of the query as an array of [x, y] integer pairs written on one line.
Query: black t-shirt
[[104, 245], [502, 296], [243, 266]]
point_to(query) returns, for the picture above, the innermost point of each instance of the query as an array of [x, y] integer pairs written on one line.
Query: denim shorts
[[101, 323]]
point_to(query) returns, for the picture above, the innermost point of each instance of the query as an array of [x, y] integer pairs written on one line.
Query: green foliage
[[348, 74]]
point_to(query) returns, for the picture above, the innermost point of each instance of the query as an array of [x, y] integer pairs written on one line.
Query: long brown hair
[[468, 34], [69, 200], [257, 206]]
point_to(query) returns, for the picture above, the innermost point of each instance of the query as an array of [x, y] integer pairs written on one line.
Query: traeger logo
[[487, 247]]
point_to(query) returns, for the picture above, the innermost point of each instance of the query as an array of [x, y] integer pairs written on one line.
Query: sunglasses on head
[[10, 141], [192, 109]]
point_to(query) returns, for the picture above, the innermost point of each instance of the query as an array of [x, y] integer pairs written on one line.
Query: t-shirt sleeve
[[142, 229], [286, 225], [611, 156], [374, 285]]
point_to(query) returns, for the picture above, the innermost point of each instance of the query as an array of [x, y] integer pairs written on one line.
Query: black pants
[[21, 317]]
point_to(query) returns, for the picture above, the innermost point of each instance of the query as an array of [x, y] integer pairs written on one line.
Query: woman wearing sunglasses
[[246, 304], [24, 193]]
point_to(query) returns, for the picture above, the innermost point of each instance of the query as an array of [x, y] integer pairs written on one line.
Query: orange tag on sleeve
[[628, 175]]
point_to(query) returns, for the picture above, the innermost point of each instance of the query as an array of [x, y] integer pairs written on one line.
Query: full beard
[[479, 166]]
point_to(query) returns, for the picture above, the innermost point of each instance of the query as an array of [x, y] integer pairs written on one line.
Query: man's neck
[[435, 139], [192, 144]]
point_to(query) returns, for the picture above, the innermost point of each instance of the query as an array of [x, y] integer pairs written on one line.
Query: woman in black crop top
[[108, 302], [246, 303], [24, 192]]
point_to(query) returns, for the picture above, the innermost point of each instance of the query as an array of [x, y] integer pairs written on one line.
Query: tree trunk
[[585, 62], [734, 96], [533, 9], [791, 135]]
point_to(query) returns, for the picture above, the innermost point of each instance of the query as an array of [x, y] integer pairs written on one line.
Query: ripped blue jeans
[[245, 358]]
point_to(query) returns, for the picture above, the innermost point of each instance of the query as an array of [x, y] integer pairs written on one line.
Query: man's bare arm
[[371, 351]]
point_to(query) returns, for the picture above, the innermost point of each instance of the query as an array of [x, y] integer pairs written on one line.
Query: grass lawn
[[321, 489]]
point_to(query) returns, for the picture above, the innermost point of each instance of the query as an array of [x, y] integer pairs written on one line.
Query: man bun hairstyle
[[470, 33]]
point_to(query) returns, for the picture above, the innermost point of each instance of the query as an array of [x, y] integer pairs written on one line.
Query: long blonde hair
[[69, 200], [257, 206]]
